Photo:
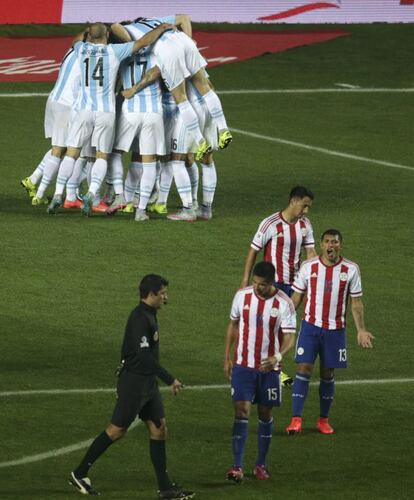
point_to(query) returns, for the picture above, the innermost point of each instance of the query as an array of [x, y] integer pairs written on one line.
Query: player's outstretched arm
[[120, 32], [248, 266], [149, 77], [183, 21], [151, 37], [364, 337], [231, 336]]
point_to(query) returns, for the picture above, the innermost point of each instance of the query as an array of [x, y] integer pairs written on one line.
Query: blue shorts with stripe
[[330, 345], [248, 384]]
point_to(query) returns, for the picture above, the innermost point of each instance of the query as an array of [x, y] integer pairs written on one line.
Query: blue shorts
[[285, 288], [260, 388], [329, 344]]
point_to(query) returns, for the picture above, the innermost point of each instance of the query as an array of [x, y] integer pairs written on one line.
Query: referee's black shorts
[[137, 395]]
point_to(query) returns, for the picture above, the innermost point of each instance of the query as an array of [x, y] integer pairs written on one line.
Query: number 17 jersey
[[99, 65]]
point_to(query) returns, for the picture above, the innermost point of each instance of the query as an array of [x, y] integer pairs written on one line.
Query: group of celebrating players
[[168, 115]]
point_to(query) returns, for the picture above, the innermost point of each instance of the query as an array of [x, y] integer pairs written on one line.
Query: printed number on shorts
[[342, 354], [97, 72], [272, 394], [174, 144]]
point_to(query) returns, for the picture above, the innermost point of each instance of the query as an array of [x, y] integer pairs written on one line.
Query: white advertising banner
[[243, 11]]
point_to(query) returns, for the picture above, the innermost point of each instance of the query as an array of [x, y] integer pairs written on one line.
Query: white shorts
[[182, 141], [177, 57], [141, 132], [98, 126], [57, 120]]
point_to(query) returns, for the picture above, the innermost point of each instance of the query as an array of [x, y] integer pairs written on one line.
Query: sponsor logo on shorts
[[144, 342], [300, 351], [232, 391], [155, 337]]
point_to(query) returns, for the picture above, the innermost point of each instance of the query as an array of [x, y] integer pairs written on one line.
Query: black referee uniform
[[137, 389]]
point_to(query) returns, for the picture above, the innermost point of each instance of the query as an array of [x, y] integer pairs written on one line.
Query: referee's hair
[[332, 232], [151, 283], [265, 270], [300, 192]]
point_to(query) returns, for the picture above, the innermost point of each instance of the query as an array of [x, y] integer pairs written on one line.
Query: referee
[[138, 392]]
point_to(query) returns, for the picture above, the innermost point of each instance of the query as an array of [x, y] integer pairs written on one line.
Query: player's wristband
[[278, 357]]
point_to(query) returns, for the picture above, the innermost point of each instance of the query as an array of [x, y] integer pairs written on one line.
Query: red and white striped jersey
[[282, 243], [327, 290], [259, 323]]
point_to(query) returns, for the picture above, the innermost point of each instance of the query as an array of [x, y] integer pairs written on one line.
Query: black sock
[[159, 461], [99, 446]]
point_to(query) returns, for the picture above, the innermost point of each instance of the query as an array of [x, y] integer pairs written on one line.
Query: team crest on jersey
[[144, 342], [155, 337], [343, 276], [314, 275], [279, 235], [246, 307], [303, 231], [274, 312]]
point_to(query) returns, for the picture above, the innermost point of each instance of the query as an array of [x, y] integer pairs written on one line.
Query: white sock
[[65, 171], [194, 177], [88, 171], [98, 173], [190, 120], [117, 172], [209, 183], [132, 180], [38, 171], [165, 182], [75, 179], [182, 180], [149, 172], [215, 109], [51, 166]]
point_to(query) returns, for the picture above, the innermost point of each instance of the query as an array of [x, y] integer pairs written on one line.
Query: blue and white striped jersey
[[99, 65], [132, 70], [143, 25], [67, 85]]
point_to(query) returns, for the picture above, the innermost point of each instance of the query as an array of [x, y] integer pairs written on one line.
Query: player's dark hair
[[151, 283], [300, 192], [265, 270], [332, 232]]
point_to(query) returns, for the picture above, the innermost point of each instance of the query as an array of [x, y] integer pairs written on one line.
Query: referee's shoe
[[83, 485], [176, 492]]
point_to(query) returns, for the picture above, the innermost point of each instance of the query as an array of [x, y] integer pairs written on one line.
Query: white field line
[[84, 444], [259, 91], [322, 150]]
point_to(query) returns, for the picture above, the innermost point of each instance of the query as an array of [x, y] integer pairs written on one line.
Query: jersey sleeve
[[300, 284], [261, 237], [123, 50], [355, 285], [308, 240], [168, 19], [288, 322], [235, 308], [77, 46]]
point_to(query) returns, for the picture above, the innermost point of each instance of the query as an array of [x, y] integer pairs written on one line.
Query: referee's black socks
[[99, 446], [159, 461]]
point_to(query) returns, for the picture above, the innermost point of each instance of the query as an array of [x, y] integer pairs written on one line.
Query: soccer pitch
[[336, 117]]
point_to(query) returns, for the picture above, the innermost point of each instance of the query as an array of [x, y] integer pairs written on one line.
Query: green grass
[[70, 282]]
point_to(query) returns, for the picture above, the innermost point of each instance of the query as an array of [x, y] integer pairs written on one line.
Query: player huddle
[[170, 118]]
